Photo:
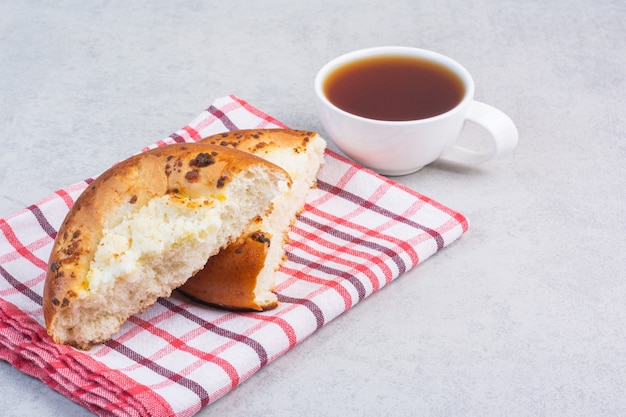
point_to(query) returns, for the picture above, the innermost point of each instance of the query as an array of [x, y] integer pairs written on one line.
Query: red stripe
[[211, 326], [338, 253], [69, 201], [331, 229], [19, 248], [170, 375], [35, 245], [317, 312], [286, 328], [333, 257], [251, 109], [17, 287], [381, 210], [458, 216], [222, 117], [90, 383], [210, 118], [325, 283], [193, 134], [175, 343]]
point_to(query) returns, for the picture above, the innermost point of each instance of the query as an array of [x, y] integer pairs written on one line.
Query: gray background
[[524, 315]]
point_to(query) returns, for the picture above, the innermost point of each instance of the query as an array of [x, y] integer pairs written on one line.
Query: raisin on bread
[[146, 225], [242, 276]]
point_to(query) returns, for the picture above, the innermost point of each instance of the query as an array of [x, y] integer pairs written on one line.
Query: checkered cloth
[[359, 232]]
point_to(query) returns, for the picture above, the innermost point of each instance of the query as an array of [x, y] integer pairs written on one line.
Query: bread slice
[[143, 227], [241, 277]]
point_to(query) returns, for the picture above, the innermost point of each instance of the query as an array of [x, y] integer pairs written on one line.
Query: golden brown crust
[[229, 280], [193, 170], [223, 281], [261, 141]]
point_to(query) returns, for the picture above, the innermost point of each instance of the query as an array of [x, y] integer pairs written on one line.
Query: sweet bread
[[146, 225], [241, 277]]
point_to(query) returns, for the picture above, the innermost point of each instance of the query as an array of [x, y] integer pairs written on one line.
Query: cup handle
[[500, 127]]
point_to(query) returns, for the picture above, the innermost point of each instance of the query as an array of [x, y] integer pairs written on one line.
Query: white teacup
[[400, 147]]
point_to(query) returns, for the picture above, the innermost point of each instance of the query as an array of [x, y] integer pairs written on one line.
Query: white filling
[[302, 168], [146, 233]]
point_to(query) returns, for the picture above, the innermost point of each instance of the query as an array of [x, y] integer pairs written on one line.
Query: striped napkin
[[359, 231]]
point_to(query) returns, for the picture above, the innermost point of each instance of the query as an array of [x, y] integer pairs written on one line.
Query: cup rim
[[358, 54]]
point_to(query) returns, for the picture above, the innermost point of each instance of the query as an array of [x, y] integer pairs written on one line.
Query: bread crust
[[195, 170], [222, 282], [261, 142], [231, 276]]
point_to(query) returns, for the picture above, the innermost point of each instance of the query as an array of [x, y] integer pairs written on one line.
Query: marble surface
[[525, 315]]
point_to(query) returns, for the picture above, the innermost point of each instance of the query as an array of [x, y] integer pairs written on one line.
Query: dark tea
[[394, 88]]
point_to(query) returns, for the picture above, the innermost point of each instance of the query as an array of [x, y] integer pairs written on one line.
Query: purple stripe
[[347, 237], [223, 118], [177, 138], [191, 385], [33, 346], [377, 209], [35, 339], [315, 310], [43, 221], [23, 289], [256, 346], [356, 283]]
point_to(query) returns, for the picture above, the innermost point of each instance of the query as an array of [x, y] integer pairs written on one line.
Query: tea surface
[[394, 88]]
